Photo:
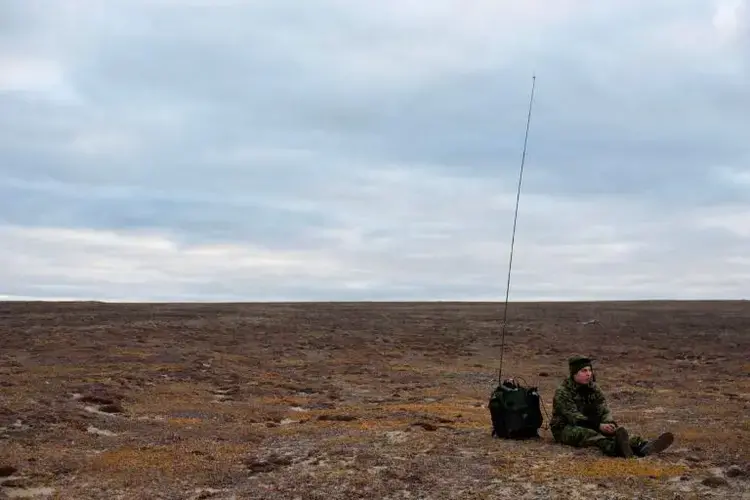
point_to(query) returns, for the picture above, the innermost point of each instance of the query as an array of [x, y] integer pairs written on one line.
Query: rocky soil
[[345, 401]]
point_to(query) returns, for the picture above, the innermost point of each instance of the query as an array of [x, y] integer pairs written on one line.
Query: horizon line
[[20, 300]]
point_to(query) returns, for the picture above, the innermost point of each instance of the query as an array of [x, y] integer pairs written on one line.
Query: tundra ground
[[361, 400]]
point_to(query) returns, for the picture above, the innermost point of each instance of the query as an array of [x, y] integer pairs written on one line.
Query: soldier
[[581, 417]]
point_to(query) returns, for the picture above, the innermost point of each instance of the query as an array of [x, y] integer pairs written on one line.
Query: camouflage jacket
[[579, 405]]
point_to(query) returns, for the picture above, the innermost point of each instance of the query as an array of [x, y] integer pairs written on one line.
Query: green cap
[[575, 363]]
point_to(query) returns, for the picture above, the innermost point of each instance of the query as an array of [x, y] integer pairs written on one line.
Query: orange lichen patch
[[282, 401], [171, 460], [617, 468], [171, 398]]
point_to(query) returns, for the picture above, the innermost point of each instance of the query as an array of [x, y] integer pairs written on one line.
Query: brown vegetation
[[360, 400]]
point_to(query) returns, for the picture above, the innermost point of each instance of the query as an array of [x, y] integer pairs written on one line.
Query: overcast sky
[[343, 150]]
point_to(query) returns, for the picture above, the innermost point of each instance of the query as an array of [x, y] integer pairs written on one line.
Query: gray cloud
[[250, 150]]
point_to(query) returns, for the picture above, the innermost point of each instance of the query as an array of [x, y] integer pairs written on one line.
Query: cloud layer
[[330, 150]]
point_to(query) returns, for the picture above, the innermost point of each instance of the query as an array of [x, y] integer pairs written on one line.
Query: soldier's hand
[[607, 428]]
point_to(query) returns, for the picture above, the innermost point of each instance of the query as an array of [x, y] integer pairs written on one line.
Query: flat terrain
[[343, 401]]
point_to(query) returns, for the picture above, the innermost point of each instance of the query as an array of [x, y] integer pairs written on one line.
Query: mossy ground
[[359, 400]]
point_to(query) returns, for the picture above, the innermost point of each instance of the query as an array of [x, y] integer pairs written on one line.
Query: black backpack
[[515, 411]]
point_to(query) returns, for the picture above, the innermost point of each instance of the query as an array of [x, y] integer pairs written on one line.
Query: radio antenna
[[513, 235]]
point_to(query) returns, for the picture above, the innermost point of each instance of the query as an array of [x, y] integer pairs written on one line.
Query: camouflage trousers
[[583, 437]]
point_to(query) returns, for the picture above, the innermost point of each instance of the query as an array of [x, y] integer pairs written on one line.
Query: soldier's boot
[[622, 443], [655, 446]]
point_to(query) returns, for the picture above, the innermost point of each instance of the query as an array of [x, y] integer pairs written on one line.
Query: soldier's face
[[583, 376]]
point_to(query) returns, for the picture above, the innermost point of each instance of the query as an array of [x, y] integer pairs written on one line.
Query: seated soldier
[[581, 417]]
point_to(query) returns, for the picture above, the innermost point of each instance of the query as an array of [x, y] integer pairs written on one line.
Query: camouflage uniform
[[578, 410]]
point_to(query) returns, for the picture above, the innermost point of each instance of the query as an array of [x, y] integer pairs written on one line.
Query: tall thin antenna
[[513, 236]]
